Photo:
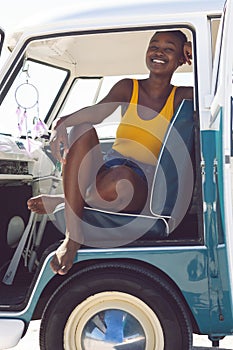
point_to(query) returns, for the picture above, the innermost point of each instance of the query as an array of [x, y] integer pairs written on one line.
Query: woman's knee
[[122, 172], [131, 189], [117, 189], [114, 184]]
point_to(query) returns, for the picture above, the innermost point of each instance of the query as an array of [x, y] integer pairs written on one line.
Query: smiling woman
[[168, 46], [166, 52], [151, 234]]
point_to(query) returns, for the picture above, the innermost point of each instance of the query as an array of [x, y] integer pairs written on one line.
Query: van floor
[[15, 294]]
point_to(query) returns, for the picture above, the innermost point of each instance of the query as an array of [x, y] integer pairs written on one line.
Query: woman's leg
[[114, 189], [118, 189], [108, 196], [82, 163], [44, 203]]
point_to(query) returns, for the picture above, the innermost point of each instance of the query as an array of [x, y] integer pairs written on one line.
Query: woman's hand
[[188, 52], [59, 140]]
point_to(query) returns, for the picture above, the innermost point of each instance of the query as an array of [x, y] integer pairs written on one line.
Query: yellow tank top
[[141, 139]]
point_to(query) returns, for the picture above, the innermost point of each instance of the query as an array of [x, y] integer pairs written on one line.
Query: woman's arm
[[95, 114], [119, 94]]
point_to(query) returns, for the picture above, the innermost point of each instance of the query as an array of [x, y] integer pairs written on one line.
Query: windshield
[[29, 99]]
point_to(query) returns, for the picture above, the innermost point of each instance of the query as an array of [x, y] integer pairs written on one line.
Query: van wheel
[[115, 306]]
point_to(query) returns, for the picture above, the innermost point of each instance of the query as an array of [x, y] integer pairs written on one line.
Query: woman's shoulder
[[122, 90], [126, 83], [183, 93]]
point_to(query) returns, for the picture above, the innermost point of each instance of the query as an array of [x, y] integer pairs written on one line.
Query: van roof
[[66, 51], [94, 10], [169, 7]]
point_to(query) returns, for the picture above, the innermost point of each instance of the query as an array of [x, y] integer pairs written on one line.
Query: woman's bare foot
[[64, 256], [44, 204]]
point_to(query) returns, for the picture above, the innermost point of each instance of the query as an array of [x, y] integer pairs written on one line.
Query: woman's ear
[[187, 51]]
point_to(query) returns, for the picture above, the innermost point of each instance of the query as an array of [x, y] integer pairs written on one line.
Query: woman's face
[[164, 54]]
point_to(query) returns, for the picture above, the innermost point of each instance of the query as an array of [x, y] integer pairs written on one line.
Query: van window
[[82, 94], [214, 25], [25, 103]]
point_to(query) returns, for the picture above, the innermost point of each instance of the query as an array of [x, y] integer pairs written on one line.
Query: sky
[[15, 12]]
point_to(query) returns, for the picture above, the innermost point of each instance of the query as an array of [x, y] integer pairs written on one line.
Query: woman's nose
[[160, 52]]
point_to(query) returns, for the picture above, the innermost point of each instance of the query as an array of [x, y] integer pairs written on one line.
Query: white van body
[[155, 289]]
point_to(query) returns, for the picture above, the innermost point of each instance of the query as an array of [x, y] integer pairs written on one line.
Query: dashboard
[[23, 159]]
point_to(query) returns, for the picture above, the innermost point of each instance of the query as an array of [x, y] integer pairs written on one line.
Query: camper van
[[145, 281]]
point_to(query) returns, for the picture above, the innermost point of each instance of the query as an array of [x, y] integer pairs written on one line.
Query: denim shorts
[[113, 158]]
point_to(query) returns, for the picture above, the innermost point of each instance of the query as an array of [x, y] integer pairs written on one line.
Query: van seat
[[171, 194]]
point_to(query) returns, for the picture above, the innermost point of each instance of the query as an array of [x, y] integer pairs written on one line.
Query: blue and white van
[[170, 275]]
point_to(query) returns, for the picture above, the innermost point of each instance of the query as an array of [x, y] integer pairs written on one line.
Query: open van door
[[221, 121], [2, 36]]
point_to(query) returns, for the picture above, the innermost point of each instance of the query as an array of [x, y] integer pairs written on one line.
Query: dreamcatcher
[[27, 98]]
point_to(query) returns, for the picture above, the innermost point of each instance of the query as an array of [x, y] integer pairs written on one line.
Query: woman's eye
[[153, 48], [156, 48], [169, 49]]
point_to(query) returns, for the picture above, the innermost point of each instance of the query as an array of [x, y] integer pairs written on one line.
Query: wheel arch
[[133, 265]]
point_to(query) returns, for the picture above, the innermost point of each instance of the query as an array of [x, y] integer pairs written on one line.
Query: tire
[[143, 309]]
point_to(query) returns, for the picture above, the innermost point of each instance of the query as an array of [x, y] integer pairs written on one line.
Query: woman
[[116, 185]]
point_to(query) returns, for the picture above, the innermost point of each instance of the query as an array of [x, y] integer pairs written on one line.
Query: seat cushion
[[107, 229]]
